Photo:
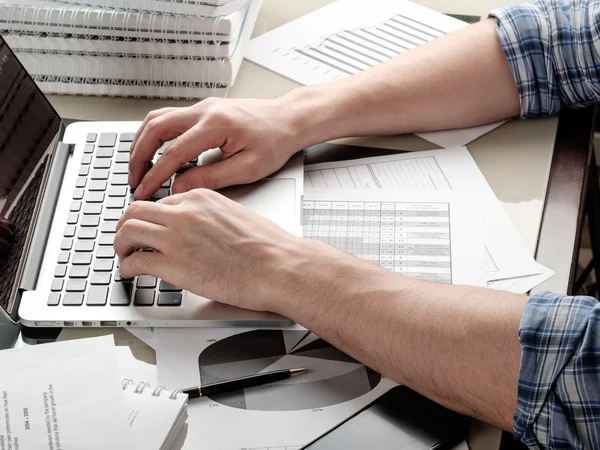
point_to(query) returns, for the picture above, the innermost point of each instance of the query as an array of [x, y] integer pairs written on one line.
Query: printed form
[[506, 256]]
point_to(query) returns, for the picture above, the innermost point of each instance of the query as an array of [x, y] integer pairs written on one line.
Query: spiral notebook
[[210, 8]]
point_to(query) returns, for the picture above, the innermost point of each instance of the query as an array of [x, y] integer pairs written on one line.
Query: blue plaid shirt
[[553, 48]]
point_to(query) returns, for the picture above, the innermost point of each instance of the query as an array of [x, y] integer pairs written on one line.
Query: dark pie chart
[[333, 376]]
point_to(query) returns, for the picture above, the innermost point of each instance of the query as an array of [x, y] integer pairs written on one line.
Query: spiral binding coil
[[141, 388]]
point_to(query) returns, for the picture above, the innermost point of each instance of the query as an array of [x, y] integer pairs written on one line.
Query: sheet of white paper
[[436, 170], [52, 400], [146, 335], [284, 415], [522, 285], [349, 36], [429, 235]]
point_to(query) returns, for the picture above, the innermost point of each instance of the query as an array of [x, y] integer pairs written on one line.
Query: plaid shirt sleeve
[[552, 47], [559, 383]]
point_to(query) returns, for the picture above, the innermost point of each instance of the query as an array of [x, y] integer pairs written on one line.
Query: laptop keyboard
[[87, 271]]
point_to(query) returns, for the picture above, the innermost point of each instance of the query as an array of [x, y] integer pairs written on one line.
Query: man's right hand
[[256, 137]]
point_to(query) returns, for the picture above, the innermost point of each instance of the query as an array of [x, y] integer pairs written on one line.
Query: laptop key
[[161, 193], [103, 265], [97, 185], [89, 148], [86, 159], [97, 296], [57, 285], [60, 271], [75, 206], [164, 286], [87, 233], [76, 285], [85, 246], [106, 239], [112, 214], [121, 168], [94, 197], [90, 221], [100, 174], [169, 299], [84, 171], [109, 227], [146, 281], [81, 181], [78, 194], [73, 300], [107, 140], [124, 147], [104, 153], [118, 191], [126, 137], [66, 244], [63, 257], [100, 278], [115, 203], [72, 218], [119, 180], [105, 252], [121, 294], [144, 297], [102, 164], [69, 231], [166, 184], [54, 299], [82, 259], [91, 137], [92, 208], [122, 158], [79, 272]]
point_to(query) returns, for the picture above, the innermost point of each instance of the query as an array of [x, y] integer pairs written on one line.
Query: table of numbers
[[408, 238]]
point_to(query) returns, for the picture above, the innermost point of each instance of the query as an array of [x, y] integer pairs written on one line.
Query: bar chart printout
[[404, 237]]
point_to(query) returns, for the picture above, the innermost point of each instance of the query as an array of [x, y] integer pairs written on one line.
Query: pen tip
[[297, 371]]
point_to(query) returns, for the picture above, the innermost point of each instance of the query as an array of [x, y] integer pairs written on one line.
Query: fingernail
[[139, 192]]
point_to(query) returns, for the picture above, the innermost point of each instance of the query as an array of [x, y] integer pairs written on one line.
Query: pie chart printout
[[333, 376]]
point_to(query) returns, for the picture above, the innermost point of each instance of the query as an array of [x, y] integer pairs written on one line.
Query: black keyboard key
[[91, 137], [69, 231], [84, 171], [78, 193], [75, 206], [127, 137], [103, 265], [104, 153], [87, 233], [102, 164], [81, 181], [72, 218], [89, 148], [124, 147], [121, 294], [86, 159], [97, 296], [107, 140], [94, 197], [100, 174], [57, 285], [105, 252], [97, 185], [161, 193], [92, 208], [122, 158], [54, 299], [66, 244], [82, 259], [106, 239], [100, 278], [85, 246], [169, 299], [76, 285], [144, 297], [164, 286], [109, 227], [119, 180], [79, 272], [90, 221], [146, 281], [63, 257], [73, 300], [118, 191], [112, 214], [60, 271], [115, 203]]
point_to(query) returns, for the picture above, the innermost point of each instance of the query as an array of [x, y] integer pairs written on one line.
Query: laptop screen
[[29, 127]]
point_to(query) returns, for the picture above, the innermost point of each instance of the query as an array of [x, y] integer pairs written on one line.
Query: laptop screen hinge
[[43, 223]]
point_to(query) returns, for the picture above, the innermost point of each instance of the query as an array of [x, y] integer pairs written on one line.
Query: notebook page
[[63, 395]]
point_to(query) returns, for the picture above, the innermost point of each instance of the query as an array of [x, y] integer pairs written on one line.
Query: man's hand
[[207, 244], [256, 138]]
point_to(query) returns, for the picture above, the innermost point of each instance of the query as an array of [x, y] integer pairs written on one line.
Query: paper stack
[[141, 48]]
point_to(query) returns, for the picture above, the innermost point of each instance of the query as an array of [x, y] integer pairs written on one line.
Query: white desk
[[515, 158]]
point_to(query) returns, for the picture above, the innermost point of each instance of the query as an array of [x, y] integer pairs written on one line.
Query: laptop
[[64, 188]]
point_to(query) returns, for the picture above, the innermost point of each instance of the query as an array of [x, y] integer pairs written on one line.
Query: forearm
[[457, 345], [460, 80]]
